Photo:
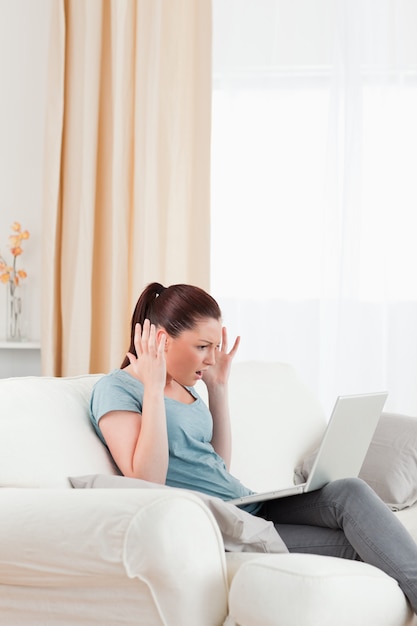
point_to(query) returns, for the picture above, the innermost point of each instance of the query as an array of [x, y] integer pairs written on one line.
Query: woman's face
[[188, 355]]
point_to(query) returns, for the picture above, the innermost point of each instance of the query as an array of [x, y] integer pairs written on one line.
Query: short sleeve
[[117, 391]]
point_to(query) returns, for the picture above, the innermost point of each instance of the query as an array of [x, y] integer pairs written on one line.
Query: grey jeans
[[347, 519]]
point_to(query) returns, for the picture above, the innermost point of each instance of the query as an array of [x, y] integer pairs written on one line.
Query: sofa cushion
[[241, 531], [312, 590], [45, 432], [390, 465], [288, 419]]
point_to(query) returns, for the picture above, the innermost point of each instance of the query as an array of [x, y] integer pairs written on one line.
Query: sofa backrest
[[276, 421], [45, 432], [46, 435]]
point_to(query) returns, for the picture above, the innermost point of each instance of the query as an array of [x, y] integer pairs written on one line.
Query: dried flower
[[9, 273]]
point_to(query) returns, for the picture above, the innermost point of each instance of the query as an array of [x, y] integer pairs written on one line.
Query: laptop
[[342, 450]]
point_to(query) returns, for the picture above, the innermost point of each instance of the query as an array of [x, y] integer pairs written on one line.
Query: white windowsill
[[19, 345]]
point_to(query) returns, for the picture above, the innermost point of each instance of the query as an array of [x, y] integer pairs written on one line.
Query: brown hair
[[175, 308]]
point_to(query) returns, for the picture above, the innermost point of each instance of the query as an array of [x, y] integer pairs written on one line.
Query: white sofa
[[156, 557]]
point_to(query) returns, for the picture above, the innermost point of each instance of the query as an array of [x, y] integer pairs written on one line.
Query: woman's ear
[[162, 332]]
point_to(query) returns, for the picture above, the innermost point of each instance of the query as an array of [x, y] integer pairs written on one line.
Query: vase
[[14, 317]]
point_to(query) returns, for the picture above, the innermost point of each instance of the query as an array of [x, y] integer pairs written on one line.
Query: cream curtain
[[127, 169]]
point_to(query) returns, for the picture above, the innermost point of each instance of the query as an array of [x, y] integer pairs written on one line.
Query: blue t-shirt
[[193, 462]]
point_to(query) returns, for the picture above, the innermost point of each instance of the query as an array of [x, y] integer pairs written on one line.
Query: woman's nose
[[210, 357]]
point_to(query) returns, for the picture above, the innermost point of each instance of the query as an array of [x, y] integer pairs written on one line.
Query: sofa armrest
[[168, 541]]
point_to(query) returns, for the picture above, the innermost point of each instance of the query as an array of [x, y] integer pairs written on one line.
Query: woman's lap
[[316, 540]]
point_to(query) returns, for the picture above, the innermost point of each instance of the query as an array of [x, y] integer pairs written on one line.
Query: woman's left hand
[[218, 374]]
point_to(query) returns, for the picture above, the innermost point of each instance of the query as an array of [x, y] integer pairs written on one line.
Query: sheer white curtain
[[314, 194]]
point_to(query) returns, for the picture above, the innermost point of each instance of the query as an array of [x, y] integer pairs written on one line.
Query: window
[[314, 154]]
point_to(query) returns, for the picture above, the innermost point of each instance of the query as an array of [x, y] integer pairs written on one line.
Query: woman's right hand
[[149, 365], [138, 442]]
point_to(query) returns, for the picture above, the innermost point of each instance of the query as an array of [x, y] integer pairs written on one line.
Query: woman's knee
[[350, 488]]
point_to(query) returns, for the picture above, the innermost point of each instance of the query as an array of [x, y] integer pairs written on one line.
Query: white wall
[[24, 34]]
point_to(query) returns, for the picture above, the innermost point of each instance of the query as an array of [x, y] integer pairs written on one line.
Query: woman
[[157, 428]]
